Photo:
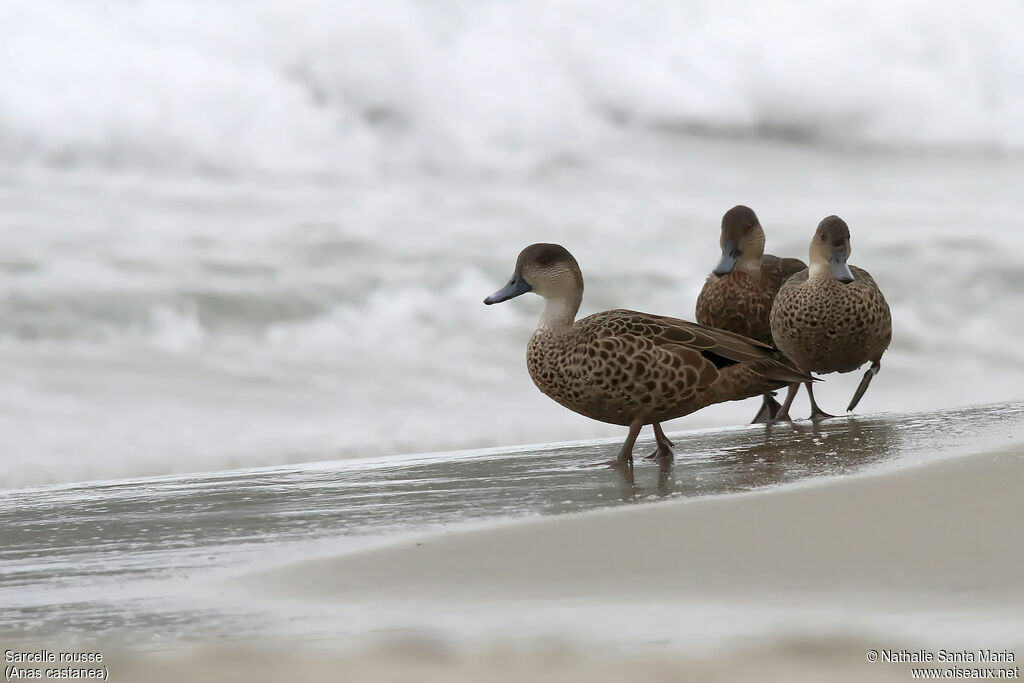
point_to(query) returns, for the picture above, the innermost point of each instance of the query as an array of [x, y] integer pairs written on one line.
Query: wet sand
[[935, 536], [764, 554], [820, 573], [932, 550], [914, 558], [815, 660]]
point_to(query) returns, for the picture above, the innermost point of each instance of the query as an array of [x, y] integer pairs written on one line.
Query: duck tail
[[781, 369]]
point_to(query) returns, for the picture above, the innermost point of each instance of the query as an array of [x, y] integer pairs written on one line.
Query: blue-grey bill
[[514, 288], [729, 255], [838, 265]]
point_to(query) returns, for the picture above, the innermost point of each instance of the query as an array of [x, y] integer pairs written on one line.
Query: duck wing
[[777, 270], [721, 347]]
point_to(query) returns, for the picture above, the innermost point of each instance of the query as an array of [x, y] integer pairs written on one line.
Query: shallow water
[[148, 560]]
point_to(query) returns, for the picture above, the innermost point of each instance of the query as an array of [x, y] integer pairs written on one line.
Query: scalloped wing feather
[[682, 337]]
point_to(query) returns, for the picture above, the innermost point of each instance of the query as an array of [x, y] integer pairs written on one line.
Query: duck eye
[[822, 237]]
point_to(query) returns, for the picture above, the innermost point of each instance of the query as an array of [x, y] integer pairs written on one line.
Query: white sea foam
[[155, 317], [229, 324], [355, 88]]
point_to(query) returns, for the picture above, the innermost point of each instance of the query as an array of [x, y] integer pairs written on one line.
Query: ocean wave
[[403, 319], [354, 88], [152, 325]]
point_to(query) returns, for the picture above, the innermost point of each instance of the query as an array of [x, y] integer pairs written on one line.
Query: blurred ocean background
[[242, 233]]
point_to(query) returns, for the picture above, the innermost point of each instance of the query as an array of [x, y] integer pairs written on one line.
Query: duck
[[831, 316], [630, 368], [738, 294]]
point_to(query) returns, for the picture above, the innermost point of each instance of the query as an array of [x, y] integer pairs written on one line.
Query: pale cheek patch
[[550, 280]]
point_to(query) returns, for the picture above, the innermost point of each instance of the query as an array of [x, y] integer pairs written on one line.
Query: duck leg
[[782, 414], [857, 395], [664, 451], [769, 407], [625, 460], [816, 412]]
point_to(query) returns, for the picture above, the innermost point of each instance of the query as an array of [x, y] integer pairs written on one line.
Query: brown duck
[[738, 294], [629, 368], [831, 317]]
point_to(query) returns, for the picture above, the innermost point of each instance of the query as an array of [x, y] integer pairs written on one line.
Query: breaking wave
[[357, 88]]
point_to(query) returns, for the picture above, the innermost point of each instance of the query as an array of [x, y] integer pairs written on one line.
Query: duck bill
[[516, 286], [730, 253], [837, 263]]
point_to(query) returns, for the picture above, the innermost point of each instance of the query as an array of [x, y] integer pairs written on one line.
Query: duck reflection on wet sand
[[767, 455]]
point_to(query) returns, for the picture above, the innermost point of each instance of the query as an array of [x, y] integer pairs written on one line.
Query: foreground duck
[[738, 294], [629, 368], [831, 317]]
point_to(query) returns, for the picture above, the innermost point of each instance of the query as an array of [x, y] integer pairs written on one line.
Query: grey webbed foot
[[665, 451], [625, 460], [816, 412], [769, 409], [662, 452]]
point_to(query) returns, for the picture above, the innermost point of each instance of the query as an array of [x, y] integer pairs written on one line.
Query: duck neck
[[750, 258], [817, 270], [558, 314], [750, 265]]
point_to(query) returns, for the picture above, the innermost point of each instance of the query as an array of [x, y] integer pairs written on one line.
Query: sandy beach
[[794, 661], [917, 558], [788, 568], [932, 537], [912, 559]]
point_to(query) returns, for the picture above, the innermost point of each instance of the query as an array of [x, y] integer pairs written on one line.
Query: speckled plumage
[[622, 366], [741, 302], [831, 317], [739, 292], [826, 326], [630, 368]]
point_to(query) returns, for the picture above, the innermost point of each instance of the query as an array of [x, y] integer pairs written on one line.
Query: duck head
[[830, 249], [550, 271], [742, 242], [545, 269]]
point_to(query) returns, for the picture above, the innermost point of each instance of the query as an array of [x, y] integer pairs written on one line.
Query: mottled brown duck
[[739, 292], [831, 317], [629, 368]]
